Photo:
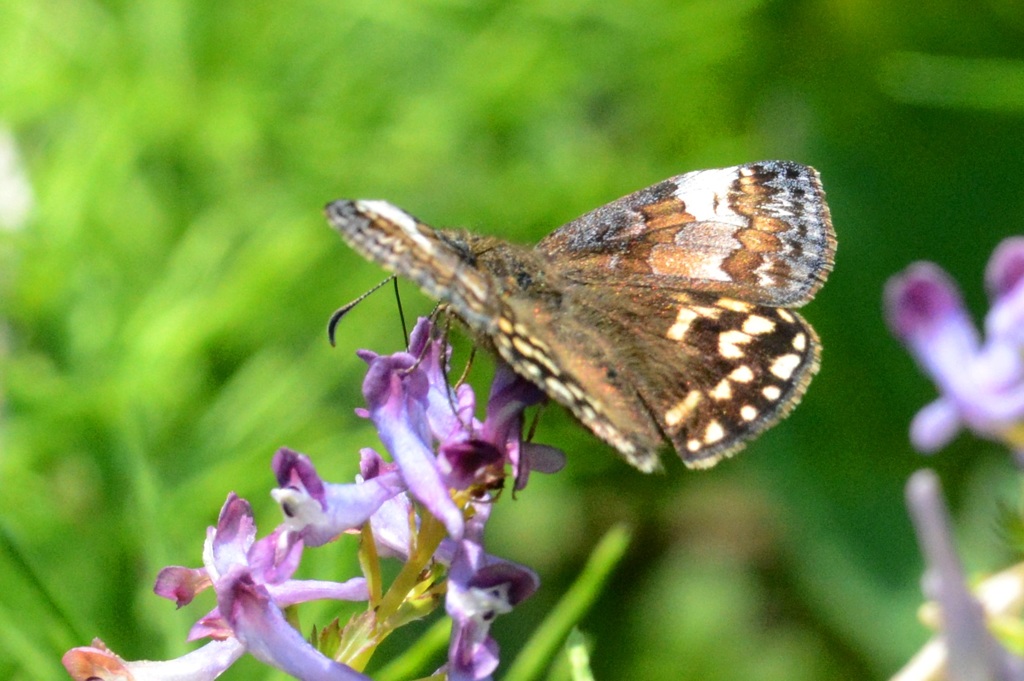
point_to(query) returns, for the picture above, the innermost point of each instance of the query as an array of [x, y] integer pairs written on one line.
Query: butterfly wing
[[692, 276], [660, 316], [704, 372], [759, 232], [719, 370], [441, 267], [511, 299]]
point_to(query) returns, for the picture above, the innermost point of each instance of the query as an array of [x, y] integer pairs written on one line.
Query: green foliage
[[328, 641], [577, 651], [162, 307], [546, 640]]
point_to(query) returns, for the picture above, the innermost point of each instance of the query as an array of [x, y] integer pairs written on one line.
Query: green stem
[[542, 646], [427, 540]]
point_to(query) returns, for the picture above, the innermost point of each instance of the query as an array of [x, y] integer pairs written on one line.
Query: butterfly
[[667, 315]]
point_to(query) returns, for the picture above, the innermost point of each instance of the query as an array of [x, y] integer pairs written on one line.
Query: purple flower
[[981, 382], [969, 649], [253, 582], [390, 524], [444, 462], [97, 662], [480, 588], [510, 395], [429, 428], [318, 511], [261, 627], [404, 395]]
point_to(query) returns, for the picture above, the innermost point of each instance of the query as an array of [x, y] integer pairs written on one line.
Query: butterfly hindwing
[[704, 372], [728, 370]]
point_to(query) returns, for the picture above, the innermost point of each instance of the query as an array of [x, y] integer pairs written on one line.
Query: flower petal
[[342, 507], [296, 591], [395, 391], [267, 636], [543, 458], [972, 651], [293, 469], [181, 584], [392, 527], [235, 533], [1005, 269], [935, 425], [480, 587], [97, 662], [275, 558], [925, 310]]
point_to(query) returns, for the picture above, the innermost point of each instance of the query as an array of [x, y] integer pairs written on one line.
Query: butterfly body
[[660, 316]]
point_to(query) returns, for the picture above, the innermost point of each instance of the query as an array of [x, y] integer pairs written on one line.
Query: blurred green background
[[166, 277]]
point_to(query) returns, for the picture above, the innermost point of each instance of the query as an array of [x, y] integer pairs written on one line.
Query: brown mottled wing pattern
[[710, 372], [405, 246], [699, 270], [758, 232], [661, 316]]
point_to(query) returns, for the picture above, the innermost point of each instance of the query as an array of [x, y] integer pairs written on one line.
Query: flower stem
[[429, 537]]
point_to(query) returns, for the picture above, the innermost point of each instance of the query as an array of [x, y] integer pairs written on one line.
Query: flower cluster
[[981, 385], [428, 508], [981, 381], [966, 650]]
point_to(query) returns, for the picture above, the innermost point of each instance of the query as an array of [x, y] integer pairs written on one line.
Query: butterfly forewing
[[660, 316], [403, 245], [759, 232]]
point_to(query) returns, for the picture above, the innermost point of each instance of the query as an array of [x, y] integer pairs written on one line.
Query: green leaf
[[540, 649]]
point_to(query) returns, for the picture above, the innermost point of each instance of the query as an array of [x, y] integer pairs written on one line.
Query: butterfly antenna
[[444, 368], [434, 338], [332, 323], [401, 312], [533, 424], [419, 358], [469, 365]]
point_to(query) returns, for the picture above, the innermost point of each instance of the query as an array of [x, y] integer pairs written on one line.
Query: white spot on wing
[[705, 194], [714, 433], [784, 366], [709, 312], [748, 412], [734, 305], [397, 216], [678, 413], [756, 325], [524, 348], [742, 374], [722, 391], [729, 343], [771, 392], [557, 389], [684, 318]]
